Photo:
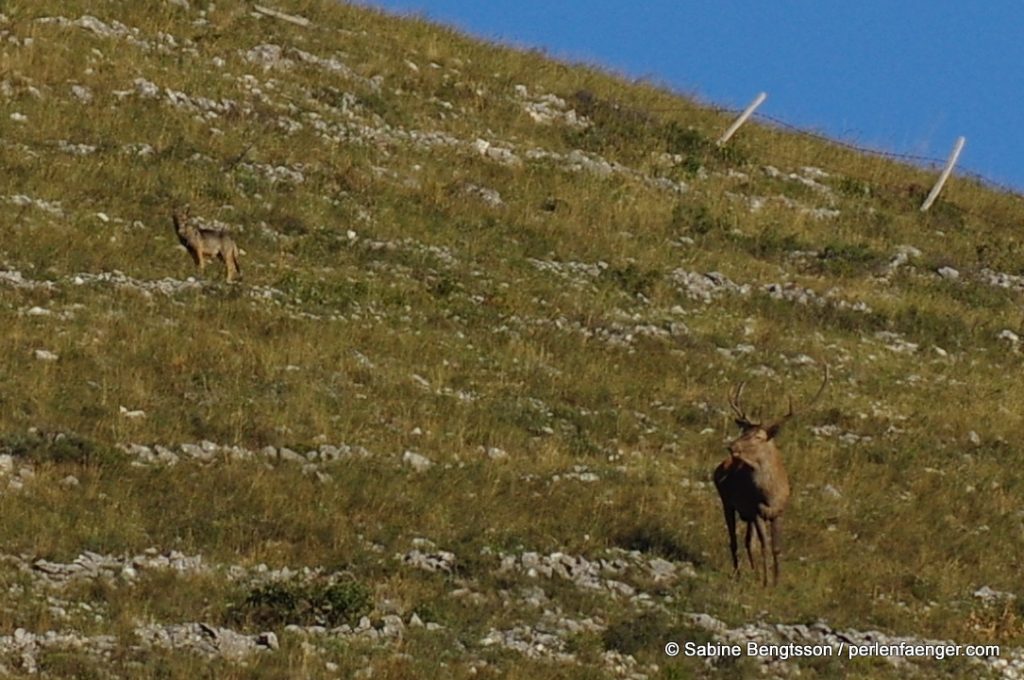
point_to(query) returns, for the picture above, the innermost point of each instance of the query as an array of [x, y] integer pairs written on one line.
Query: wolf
[[203, 244]]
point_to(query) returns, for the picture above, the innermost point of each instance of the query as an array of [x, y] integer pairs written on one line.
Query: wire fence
[[918, 160], [913, 159]]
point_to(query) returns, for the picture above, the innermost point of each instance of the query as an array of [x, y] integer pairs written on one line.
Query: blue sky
[[906, 76]]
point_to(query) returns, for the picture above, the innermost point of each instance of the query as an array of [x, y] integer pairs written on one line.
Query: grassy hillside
[[459, 417]]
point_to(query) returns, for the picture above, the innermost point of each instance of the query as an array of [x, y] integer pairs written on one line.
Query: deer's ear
[[745, 425], [773, 430]]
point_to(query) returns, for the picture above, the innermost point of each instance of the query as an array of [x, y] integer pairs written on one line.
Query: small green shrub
[[695, 219], [845, 259], [60, 448], [631, 635], [699, 150], [336, 295], [632, 279], [614, 126], [654, 538], [771, 242], [685, 140], [853, 187], [304, 603]]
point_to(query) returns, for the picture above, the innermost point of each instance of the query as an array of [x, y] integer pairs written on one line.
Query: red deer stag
[[752, 482]]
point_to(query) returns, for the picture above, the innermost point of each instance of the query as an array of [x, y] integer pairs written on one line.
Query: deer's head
[[754, 436]]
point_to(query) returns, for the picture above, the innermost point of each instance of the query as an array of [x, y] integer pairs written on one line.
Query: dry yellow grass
[[542, 346]]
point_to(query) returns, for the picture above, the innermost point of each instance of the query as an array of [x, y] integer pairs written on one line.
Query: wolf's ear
[[181, 214]]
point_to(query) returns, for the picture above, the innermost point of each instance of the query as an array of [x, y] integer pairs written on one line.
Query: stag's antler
[[734, 404], [781, 421]]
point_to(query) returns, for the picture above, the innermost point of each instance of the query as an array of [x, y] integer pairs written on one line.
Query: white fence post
[[957, 148], [742, 119], [290, 18]]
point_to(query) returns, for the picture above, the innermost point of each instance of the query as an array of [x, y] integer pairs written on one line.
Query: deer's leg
[[759, 527], [730, 523], [776, 528], [750, 554]]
